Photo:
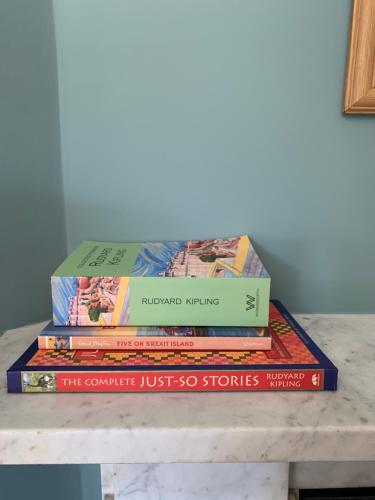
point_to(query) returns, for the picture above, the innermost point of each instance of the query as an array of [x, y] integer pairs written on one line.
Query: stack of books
[[109, 300]]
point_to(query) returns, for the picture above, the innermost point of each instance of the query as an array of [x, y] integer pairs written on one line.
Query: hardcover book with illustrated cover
[[154, 338], [294, 363], [217, 282]]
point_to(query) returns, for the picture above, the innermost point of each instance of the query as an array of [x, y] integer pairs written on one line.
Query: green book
[[216, 282]]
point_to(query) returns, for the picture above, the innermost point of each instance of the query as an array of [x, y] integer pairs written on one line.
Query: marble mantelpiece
[[203, 427]]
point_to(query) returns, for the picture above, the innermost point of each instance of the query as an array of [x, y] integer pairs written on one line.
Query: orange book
[[154, 338]]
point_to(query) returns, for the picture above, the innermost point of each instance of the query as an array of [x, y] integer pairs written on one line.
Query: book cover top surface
[[291, 349], [222, 257]]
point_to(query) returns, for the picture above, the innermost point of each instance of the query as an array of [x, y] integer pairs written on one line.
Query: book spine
[[169, 301], [172, 381], [157, 343]]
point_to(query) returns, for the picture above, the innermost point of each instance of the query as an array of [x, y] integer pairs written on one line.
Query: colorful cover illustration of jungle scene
[[99, 283], [288, 348]]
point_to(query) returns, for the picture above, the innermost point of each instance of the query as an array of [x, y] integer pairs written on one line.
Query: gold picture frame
[[360, 77]]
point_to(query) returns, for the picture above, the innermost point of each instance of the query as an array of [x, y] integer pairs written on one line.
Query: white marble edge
[[201, 427], [261, 481]]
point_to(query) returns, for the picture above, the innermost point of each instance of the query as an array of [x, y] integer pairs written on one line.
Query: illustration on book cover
[[97, 300]]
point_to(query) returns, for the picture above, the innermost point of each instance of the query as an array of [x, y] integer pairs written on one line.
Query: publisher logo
[[315, 379], [250, 302]]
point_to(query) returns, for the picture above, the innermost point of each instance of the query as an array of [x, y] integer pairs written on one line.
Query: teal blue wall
[[32, 225], [50, 482], [200, 118]]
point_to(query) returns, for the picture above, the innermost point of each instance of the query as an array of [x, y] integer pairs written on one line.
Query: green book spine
[[219, 282]]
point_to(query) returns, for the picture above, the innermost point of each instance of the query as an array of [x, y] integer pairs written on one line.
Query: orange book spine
[[158, 343]]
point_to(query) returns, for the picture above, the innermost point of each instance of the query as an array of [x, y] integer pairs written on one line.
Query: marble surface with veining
[[196, 481], [229, 481], [201, 427], [331, 475]]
